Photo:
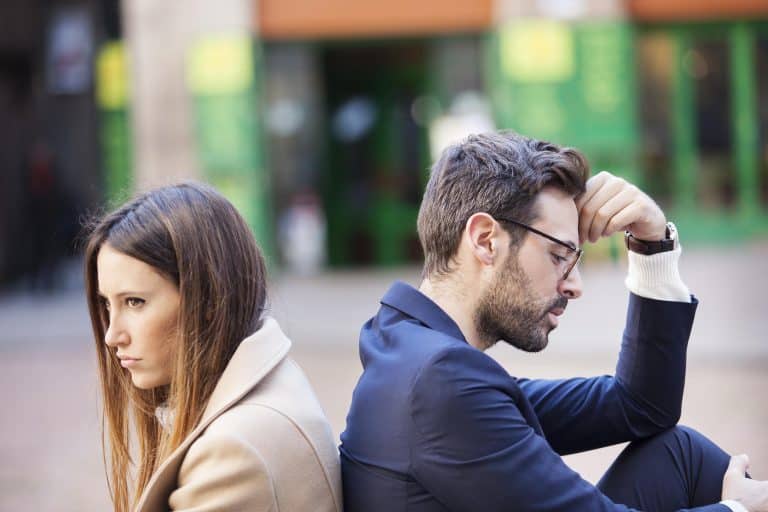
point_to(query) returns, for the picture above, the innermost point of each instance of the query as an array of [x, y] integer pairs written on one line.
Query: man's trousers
[[677, 469]]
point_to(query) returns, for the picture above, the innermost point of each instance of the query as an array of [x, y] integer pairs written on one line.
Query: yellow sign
[[537, 51], [112, 77], [221, 65]]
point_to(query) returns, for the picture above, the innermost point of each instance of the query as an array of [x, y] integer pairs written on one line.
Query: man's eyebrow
[[570, 243]]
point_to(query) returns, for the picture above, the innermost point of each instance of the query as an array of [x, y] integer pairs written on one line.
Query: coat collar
[[410, 301], [254, 358]]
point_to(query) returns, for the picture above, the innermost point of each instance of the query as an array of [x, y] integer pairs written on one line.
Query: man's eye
[[134, 302], [558, 259]]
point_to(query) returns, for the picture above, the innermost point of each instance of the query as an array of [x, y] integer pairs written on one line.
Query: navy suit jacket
[[437, 425]]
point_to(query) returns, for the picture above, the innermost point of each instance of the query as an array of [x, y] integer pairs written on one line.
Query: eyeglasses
[[568, 262]]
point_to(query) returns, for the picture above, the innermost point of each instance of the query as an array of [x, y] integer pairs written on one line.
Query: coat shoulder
[[282, 424]]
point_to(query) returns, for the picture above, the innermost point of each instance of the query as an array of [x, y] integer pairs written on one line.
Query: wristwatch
[[649, 247]]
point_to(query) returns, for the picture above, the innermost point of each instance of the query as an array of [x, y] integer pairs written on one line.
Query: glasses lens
[[574, 258]]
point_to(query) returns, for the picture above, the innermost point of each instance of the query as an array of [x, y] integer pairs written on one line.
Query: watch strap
[[649, 247]]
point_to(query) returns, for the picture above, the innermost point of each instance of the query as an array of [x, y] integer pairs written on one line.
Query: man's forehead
[[556, 213]]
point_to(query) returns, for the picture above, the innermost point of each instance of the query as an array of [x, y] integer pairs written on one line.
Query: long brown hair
[[195, 238]]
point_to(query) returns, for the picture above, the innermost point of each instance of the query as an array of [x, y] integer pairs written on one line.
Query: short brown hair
[[497, 173]]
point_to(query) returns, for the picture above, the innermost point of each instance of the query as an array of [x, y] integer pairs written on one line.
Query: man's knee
[[686, 443], [679, 438], [679, 442], [684, 433]]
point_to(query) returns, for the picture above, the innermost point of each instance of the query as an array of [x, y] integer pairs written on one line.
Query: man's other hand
[[753, 494], [612, 204]]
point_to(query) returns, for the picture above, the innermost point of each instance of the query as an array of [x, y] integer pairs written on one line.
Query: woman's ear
[[482, 233]]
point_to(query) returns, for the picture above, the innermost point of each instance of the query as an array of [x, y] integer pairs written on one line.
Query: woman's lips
[[128, 362]]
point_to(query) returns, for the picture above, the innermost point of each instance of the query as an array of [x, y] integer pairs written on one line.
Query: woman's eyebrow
[[123, 293]]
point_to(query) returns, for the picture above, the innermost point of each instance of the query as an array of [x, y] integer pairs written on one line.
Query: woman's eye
[[134, 302], [105, 303]]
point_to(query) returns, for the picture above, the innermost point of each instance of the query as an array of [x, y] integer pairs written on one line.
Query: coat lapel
[[256, 356]]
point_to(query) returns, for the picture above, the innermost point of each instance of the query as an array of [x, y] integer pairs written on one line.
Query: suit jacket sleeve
[[223, 472], [644, 398], [473, 449]]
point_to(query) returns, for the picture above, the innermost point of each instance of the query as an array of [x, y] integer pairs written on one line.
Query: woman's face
[[143, 309]]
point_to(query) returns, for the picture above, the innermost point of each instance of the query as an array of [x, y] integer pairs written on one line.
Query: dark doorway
[[708, 62], [377, 152], [761, 56]]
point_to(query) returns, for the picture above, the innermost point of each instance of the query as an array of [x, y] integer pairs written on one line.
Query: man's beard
[[510, 312]]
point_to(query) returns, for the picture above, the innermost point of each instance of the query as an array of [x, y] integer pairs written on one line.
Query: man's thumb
[[738, 464]]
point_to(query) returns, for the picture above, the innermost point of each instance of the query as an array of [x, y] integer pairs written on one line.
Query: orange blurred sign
[[664, 10], [315, 19]]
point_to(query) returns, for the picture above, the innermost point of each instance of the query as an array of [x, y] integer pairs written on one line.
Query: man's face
[[525, 297]]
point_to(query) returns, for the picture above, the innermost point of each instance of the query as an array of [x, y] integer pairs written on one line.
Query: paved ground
[[49, 431]]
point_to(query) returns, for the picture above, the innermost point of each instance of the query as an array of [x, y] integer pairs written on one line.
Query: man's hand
[[611, 204], [753, 494]]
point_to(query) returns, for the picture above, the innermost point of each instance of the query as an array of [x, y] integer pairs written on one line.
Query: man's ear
[[482, 233]]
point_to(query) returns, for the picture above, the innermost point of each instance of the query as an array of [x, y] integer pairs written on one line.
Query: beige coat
[[263, 443]]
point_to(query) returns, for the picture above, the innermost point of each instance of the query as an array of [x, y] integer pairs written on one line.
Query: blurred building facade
[[342, 105], [50, 168]]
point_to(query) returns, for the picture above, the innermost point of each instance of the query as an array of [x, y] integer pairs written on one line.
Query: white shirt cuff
[[657, 276], [735, 506]]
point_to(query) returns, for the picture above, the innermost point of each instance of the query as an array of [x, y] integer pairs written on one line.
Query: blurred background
[[319, 120]]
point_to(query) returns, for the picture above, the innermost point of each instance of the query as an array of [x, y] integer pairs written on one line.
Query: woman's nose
[[115, 335]]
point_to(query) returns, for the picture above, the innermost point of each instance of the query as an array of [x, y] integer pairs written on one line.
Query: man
[[437, 425]]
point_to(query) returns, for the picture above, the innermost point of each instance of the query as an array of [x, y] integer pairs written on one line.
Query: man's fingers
[[605, 222], [594, 208], [738, 465], [593, 185], [623, 219], [608, 196]]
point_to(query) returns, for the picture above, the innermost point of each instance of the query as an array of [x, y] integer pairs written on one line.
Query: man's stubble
[[511, 312]]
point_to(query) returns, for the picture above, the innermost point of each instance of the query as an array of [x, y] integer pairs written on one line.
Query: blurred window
[[456, 65], [761, 55], [292, 119], [708, 63], [655, 61]]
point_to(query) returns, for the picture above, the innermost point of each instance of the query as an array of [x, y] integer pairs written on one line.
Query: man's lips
[[557, 311]]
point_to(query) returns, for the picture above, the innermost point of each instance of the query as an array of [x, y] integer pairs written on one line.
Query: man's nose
[[571, 286]]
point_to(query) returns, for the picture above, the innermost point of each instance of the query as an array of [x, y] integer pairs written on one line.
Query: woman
[[223, 419]]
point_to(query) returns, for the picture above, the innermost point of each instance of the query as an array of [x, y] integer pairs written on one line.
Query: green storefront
[[681, 109], [715, 83]]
